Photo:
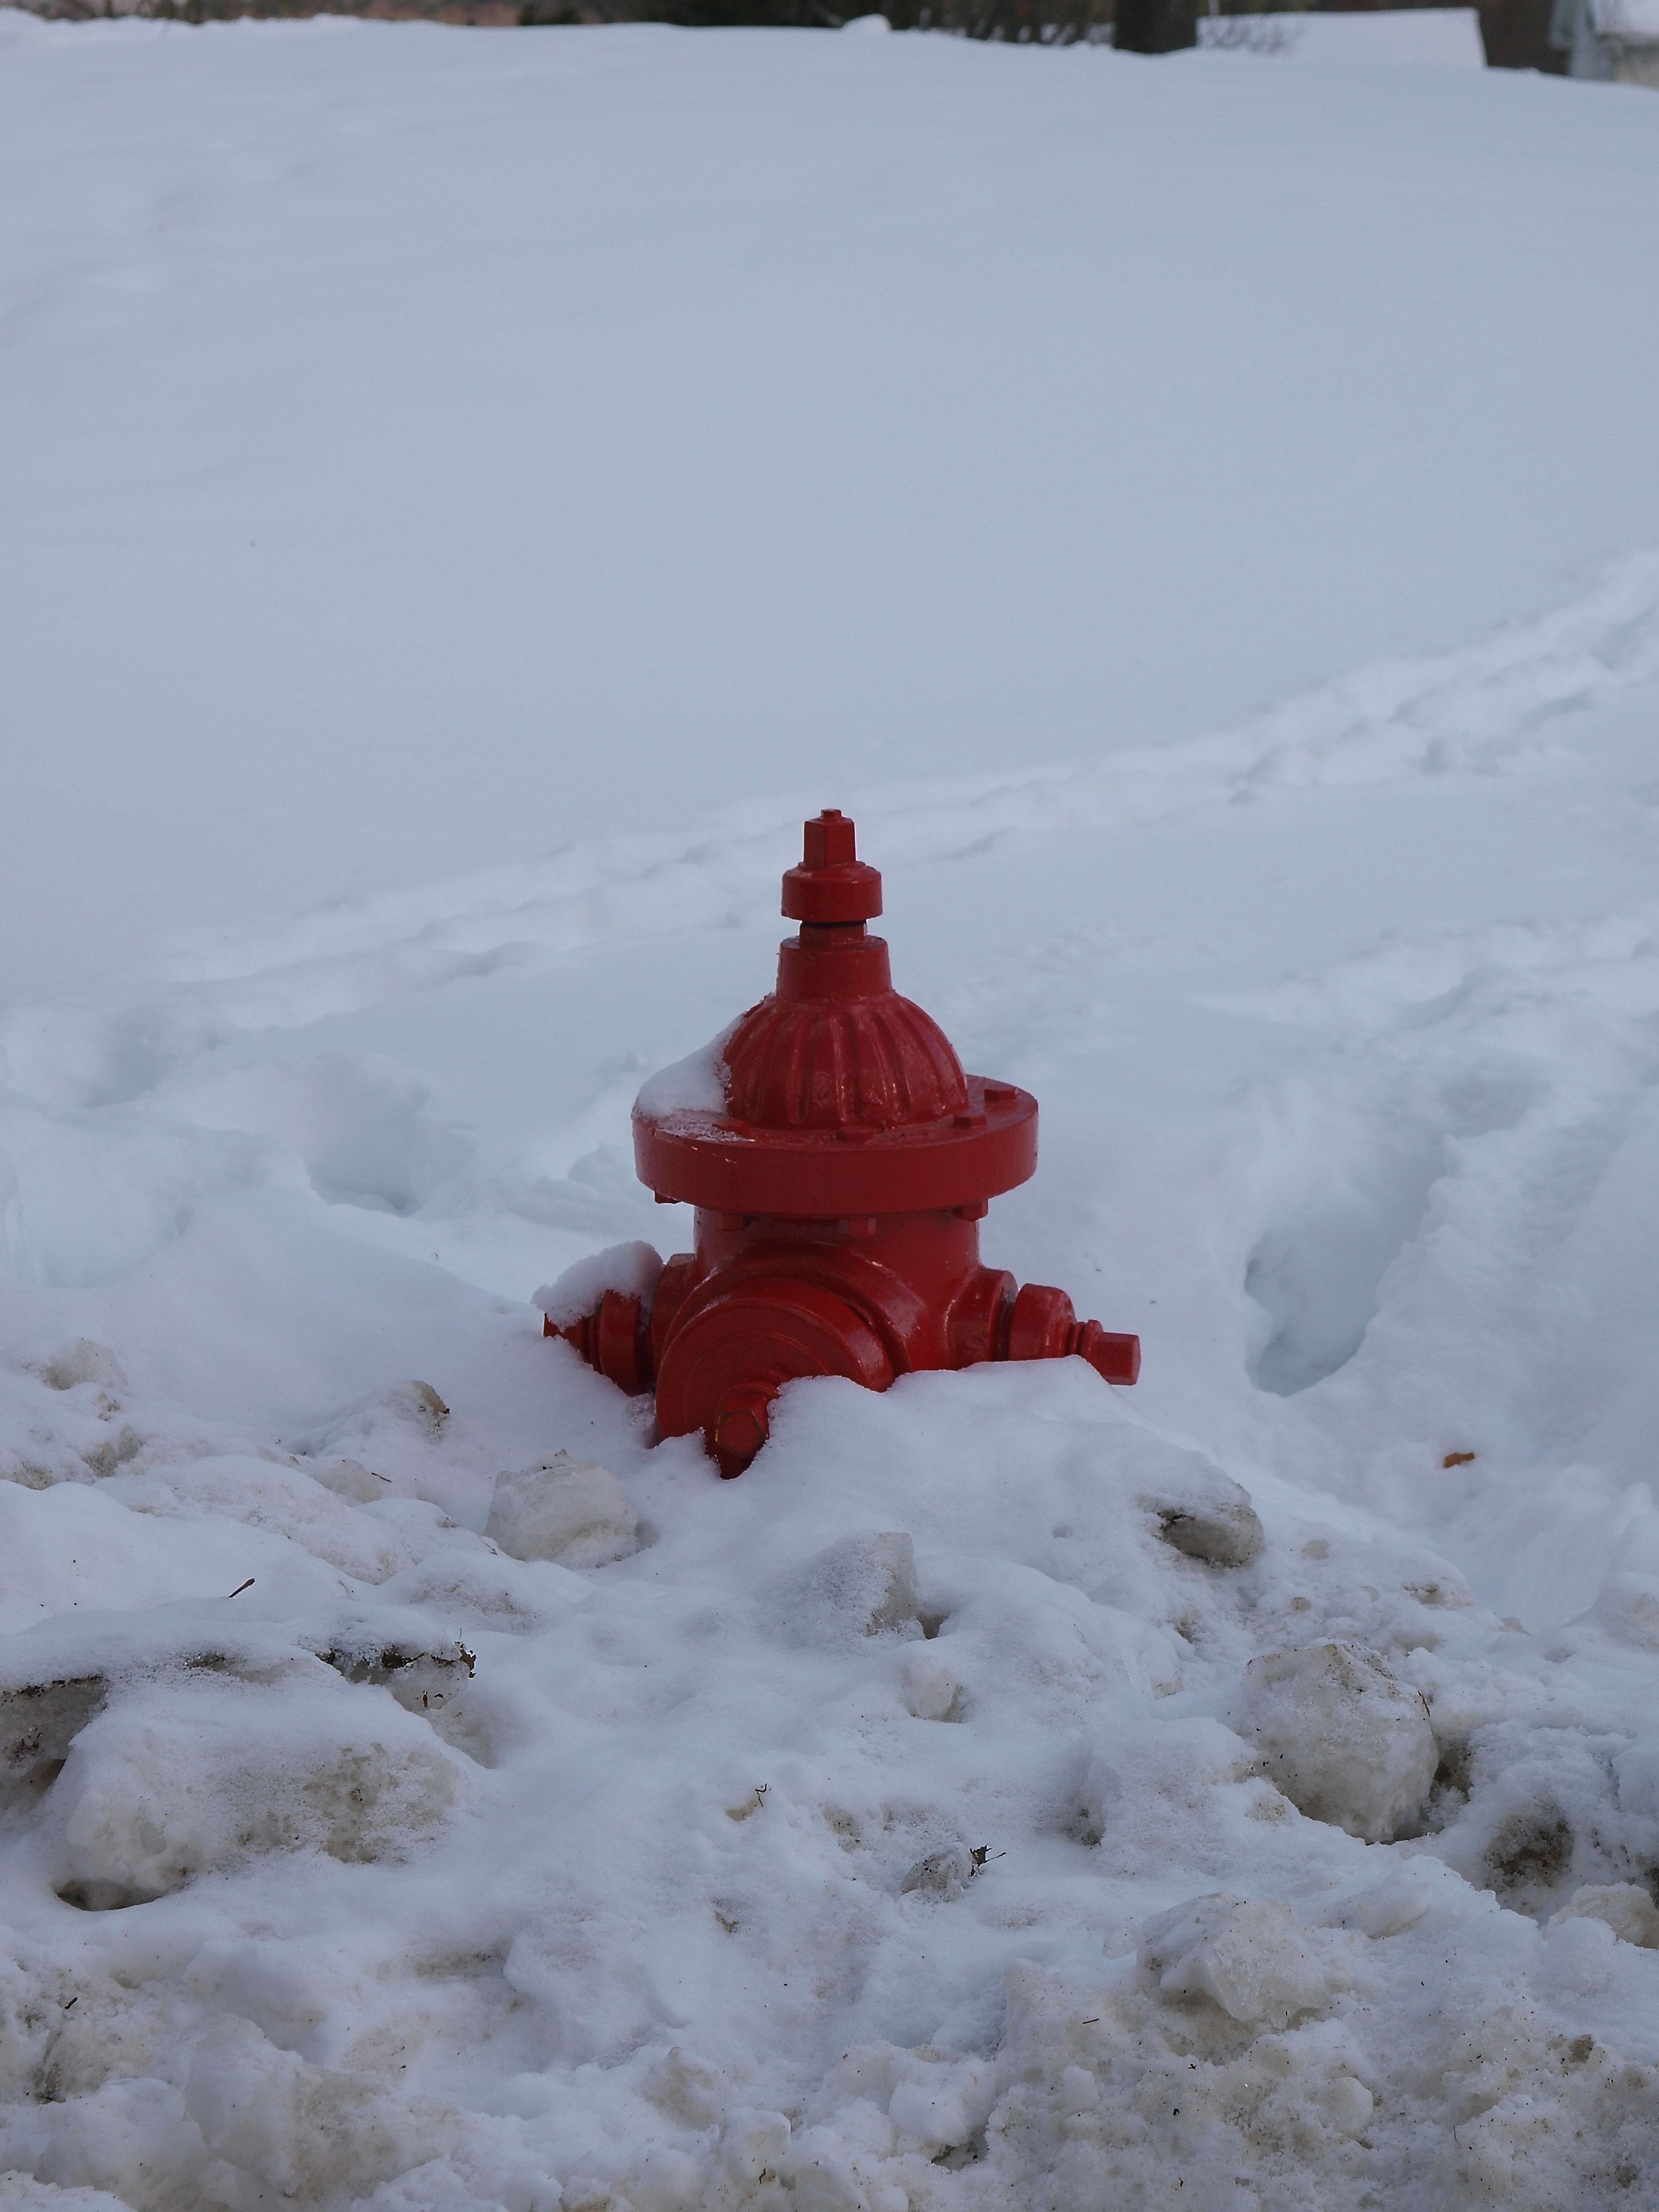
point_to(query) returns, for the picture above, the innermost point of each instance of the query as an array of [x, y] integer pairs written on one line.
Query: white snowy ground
[[467, 496]]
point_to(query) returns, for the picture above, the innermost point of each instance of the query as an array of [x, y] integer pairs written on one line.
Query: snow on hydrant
[[840, 1161]]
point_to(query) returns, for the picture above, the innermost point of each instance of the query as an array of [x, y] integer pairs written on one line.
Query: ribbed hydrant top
[[841, 1097]]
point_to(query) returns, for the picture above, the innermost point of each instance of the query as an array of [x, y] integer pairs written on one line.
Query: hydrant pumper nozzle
[[838, 1196]]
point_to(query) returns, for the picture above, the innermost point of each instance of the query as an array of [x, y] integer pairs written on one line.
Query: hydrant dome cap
[[838, 1097]]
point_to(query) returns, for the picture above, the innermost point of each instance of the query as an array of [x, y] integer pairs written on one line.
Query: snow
[[1635, 19], [468, 498], [566, 1509], [1420, 36], [695, 1084], [631, 1268], [1341, 1738]]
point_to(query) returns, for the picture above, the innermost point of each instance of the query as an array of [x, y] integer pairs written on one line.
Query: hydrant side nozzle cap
[[831, 885]]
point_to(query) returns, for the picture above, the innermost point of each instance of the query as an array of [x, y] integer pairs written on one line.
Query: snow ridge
[[1477, 709]]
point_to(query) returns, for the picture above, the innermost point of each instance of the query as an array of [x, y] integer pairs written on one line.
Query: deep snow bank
[[1242, 1791]]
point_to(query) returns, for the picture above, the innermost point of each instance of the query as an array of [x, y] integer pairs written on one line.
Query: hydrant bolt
[[838, 1196]]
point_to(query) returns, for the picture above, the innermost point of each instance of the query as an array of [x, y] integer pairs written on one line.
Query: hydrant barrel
[[839, 1183]]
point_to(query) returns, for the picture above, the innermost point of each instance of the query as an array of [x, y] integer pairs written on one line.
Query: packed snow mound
[[25, 2194], [1203, 1513], [284, 1500], [1255, 1961], [945, 1873], [1627, 1607], [161, 1788], [82, 1362], [1185, 1775], [572, 1510], [351, 1479], [494, 1592], [864, 1585], [933, 1690], [71, 1548], [1340, 1737], [1626, 1908]]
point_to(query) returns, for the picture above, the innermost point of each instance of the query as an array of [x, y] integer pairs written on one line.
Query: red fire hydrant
[[840, 1175]]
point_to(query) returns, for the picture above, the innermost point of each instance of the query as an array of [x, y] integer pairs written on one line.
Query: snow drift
[[467, 499]]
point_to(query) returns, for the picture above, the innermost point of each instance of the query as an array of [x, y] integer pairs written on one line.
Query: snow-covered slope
[[468, 496]]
